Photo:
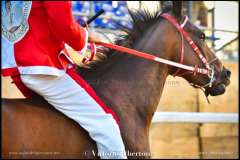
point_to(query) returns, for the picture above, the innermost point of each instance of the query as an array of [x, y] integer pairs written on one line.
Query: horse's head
[[218, 77]]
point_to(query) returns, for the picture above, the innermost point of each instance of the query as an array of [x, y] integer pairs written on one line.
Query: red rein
[[194, 69]]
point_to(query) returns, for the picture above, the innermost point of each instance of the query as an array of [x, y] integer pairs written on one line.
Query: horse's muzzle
[[219, 87]]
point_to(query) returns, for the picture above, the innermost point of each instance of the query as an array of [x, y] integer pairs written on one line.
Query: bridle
[[208, 70], [180, 27]]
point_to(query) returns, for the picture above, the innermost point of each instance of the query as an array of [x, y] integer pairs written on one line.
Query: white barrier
[[195, 117]]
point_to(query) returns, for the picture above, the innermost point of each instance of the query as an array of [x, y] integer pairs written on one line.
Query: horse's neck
[[132, 89], [134, 85]]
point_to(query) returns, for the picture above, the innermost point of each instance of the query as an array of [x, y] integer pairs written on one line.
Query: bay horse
[[129, 85]]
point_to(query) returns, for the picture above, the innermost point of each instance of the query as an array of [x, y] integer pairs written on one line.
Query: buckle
[[211, 75]]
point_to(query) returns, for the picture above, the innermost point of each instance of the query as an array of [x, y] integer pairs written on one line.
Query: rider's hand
[[93, 36]]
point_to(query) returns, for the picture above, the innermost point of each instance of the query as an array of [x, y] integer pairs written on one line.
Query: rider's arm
[[63, 25]]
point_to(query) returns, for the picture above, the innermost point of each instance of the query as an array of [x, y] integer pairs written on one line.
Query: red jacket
[[51, 24]]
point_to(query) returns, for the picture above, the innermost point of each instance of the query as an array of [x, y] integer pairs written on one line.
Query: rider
[[33, 38]]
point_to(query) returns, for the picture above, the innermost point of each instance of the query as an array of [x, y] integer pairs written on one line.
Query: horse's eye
[[202, 36]]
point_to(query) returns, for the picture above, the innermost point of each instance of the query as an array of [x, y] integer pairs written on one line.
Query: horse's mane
[[140, 21]]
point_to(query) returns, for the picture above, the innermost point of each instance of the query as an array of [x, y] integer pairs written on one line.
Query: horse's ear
[[177, 9]]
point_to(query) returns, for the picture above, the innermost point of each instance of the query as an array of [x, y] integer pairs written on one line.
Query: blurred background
[[219, 20]]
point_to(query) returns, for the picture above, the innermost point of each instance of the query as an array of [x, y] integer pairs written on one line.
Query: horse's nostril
[[228, 73]]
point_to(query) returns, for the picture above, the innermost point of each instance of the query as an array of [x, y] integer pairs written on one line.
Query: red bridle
[[185, 35], [193, 69]]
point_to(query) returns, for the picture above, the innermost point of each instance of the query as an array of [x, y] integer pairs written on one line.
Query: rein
[[193, 69]]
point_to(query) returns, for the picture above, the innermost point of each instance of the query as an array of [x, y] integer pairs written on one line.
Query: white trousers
[[72, 99]]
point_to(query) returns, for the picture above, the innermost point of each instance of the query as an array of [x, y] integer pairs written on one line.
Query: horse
[[130, 86]]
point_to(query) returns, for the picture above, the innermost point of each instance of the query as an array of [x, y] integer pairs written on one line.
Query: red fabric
[[75, 76], [21, 86], [51, 24], [62, 23], [9, 71], [63, 58]]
